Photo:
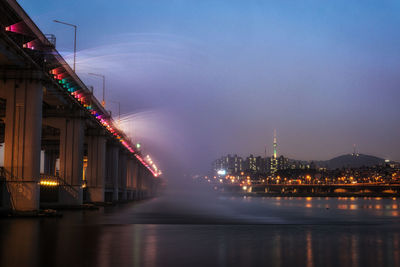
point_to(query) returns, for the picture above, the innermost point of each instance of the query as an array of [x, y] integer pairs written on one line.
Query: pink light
[[58, 70], [35, 44], [19, 27]]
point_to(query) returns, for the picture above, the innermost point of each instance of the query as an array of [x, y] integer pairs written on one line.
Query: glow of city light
[[221, 172], [49, 183]]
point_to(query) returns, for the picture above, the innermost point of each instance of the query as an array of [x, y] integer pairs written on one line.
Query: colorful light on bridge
[[20, 28], [60, 75]]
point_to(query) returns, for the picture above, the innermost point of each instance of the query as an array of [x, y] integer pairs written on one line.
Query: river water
[[230, 231]]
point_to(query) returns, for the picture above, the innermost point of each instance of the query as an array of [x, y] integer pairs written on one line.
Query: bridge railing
[[55, 180], [3, 176], [2, 173]]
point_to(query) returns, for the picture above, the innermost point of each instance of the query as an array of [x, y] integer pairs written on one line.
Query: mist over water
[[182, 200], [188, 201]]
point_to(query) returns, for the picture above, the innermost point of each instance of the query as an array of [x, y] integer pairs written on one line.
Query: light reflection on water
[[368, 234], [341, 203]]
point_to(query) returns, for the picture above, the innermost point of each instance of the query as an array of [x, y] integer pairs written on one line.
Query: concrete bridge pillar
[[112, 168], [122, 165], [50, 158], [145, 179], [135, 167], [96, 167], [151, 187], [71, 160], [139, 184], [129, 177], [22, 140], [149, 183]]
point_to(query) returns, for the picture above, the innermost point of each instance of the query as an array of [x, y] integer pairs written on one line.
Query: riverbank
[[333, 195]]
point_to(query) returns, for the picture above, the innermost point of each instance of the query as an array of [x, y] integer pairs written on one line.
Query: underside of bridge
[[55, 135]]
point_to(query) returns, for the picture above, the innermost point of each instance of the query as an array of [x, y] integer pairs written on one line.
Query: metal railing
[[3, 176], [60, 182]]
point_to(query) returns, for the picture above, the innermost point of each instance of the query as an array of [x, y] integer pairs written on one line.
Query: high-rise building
[[231, 164], [253, 164], [283, 163], [274, 161]]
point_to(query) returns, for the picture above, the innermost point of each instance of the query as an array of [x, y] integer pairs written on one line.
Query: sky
[[200, 79]]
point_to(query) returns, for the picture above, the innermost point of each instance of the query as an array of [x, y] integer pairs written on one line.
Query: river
[[230, 231]]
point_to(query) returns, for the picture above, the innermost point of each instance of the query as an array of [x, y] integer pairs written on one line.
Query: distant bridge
[[45, 106], [316, 189]]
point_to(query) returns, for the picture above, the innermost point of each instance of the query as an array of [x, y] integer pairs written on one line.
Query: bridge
[[46, 109], [366, 189]]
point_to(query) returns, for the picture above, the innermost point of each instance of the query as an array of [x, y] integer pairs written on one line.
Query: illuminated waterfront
[[252, 232]]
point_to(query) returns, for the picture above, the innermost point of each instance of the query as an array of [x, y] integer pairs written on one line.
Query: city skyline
[[274, 152]]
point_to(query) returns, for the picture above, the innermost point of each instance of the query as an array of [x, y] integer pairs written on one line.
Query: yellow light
[[48, 183]]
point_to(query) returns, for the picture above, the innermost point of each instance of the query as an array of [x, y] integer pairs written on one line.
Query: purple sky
[[216, 77]]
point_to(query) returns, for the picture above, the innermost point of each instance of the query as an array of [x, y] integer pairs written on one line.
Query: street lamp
[[75, 27], [103, 103]]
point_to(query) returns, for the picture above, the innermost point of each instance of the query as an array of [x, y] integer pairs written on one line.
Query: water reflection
[[310, 259], [19, 242], [341, 203], [102, 238], [136, 245]]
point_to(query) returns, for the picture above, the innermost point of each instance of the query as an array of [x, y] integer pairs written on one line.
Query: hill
[[351, 161]]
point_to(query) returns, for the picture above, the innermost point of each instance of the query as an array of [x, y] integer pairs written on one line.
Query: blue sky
[[219, 76]]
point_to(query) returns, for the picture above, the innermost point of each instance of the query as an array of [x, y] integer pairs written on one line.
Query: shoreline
[[332, 195]]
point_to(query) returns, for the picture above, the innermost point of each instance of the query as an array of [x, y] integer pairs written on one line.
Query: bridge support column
[[145, 179], [149, 184], [71, 160], [50, 158], [135, 171], [96, 168], [112, 168], [139, 182], [122, 165], [22, 141], [129, 175]]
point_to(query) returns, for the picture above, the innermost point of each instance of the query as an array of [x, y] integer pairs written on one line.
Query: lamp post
[[75, 28], [103, 102]]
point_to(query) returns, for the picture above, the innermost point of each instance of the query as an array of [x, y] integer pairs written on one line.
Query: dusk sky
[[208, 78]]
